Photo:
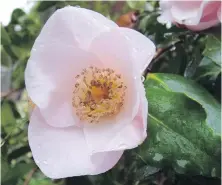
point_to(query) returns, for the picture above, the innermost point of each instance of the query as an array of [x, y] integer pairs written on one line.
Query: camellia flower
[[195, 15], [84, 77]]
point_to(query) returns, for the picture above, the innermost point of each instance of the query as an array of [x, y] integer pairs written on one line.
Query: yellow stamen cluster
[[98, 93]]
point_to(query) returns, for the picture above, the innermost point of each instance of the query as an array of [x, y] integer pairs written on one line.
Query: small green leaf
[[14, 174], [9, 115], [137, 5], [4, 168], [145, 172], [5, 39], [207, 68], [5, 58], [42, 6], [213, 49], [184, 126]]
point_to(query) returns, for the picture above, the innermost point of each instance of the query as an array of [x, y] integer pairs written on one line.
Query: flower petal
[[50, 79], [114, 51], [63, 152], [143, 48], [165, 17], [74, 26], [219, 14], [118, 136], [202, 25], [187, 13], [60, 112]]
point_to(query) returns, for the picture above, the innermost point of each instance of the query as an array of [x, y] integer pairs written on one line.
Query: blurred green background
[[179, 52]]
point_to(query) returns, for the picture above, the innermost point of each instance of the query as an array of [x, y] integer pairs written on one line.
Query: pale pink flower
[[84, 76], [195, 15]]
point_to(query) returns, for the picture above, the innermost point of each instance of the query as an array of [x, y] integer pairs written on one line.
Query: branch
[[29, 177], [158, 54], [8, 94]]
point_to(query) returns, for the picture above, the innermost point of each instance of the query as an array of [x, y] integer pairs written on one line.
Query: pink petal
[[118, 135], [202, 25], [114, 51], [143, 48], [211, 9], [50, 78], [184, 12], [60, 112], [63, 152], [165, 17], [74, 26], [219, 14]]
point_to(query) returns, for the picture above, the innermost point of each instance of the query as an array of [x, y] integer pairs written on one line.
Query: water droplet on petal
[[134, 50], [127, 38], [45, 162], [37, 161], [122, 146], [142, 78]]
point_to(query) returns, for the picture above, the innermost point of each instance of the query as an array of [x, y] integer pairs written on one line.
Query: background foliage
[[183, 84]]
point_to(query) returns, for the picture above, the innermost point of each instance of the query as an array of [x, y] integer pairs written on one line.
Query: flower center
[[98, 93]]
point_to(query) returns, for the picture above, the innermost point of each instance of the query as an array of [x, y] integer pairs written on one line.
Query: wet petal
[[62, 152]]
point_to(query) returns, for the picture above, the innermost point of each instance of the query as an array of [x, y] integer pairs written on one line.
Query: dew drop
[[37, 161], [45, 162], [167, 35], [127, 38], [173, 48], [122, 146], [142, 78], [135, 50]]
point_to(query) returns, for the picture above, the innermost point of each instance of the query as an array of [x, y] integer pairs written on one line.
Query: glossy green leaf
[[194, 91], [213, 49], [184, 126]]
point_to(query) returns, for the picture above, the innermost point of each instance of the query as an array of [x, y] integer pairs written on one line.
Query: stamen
[[98, 93]]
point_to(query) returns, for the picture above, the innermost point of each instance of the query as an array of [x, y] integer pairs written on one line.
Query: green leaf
[[5, 39], [213, 49], [42, 6], [5, 58], [4, 168], [207, 68], [184, 126], [146, 172], [9, 115], [195, 92], [14, 174], [137, 5]]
